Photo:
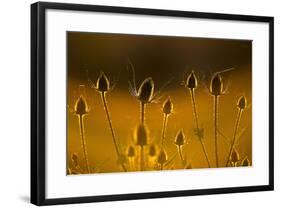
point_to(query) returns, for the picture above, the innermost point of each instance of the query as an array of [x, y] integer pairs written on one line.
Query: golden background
[[163, 58]]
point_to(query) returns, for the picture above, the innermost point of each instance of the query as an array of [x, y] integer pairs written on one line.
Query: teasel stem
[[180, 153], [215, 128], [111, 128], [83, 142], [234, 136], [164, 127], [142, 109], [197, 125], [141, 158]]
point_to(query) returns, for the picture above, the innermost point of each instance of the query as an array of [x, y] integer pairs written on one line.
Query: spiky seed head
[[102, 83], [168, 106], [162, 157], [131, 151], [242, 103], [146, 90], [81, 107], [122, 159], [180, 138], [141, 135], [234, 156], [152, 150], [245, 162], [191, 81], [216, 86]]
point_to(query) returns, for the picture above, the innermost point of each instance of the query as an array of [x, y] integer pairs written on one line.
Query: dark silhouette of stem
[[111, 129], [234, 136], [141, 158], [215, 128], [197, 126], [164, 126], [83, 142], [180, 153], [142, 112]]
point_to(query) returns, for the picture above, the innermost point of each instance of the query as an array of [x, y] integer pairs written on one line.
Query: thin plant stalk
[[142, 109], [197, 126], [215, 128], [180, 153], [111, 128], [83, 142], [234, 136], [164, 127], [141, 158]]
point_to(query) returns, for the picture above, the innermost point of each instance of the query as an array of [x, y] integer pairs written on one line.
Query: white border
[[59, 185]]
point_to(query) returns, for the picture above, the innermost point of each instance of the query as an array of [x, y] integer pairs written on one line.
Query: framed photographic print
[[131, 103]]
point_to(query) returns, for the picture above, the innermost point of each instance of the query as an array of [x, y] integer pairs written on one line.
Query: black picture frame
[[38, 98]]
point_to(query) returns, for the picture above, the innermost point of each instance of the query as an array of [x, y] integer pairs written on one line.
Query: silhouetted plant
[[241, 105], [179, 142], [141, 136], [131, 153], [103, 86], [81, 109], [191, 84], [234, 158], [167, 110], [162, 158], [245, 162]]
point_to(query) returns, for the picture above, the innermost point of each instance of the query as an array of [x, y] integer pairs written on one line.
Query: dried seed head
[[81, 107], [162, 157], [235, 156], [146, 90], [122, 159], [191, 81], [141, 135], [152, 150], [180, 138], [242, 103], [102, 83], [131, 151], [245, 162], [168, 107], [216, 86]]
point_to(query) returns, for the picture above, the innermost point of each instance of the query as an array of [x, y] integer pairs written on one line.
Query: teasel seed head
[[81, 107], [162, 157], [191, 81], [245, 162], [242, 103], [152, 150], [234, 156], [168, 106], [141, 135], [180, 138], [131, 151], [146, 90], [216, 86], [102, 83]]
